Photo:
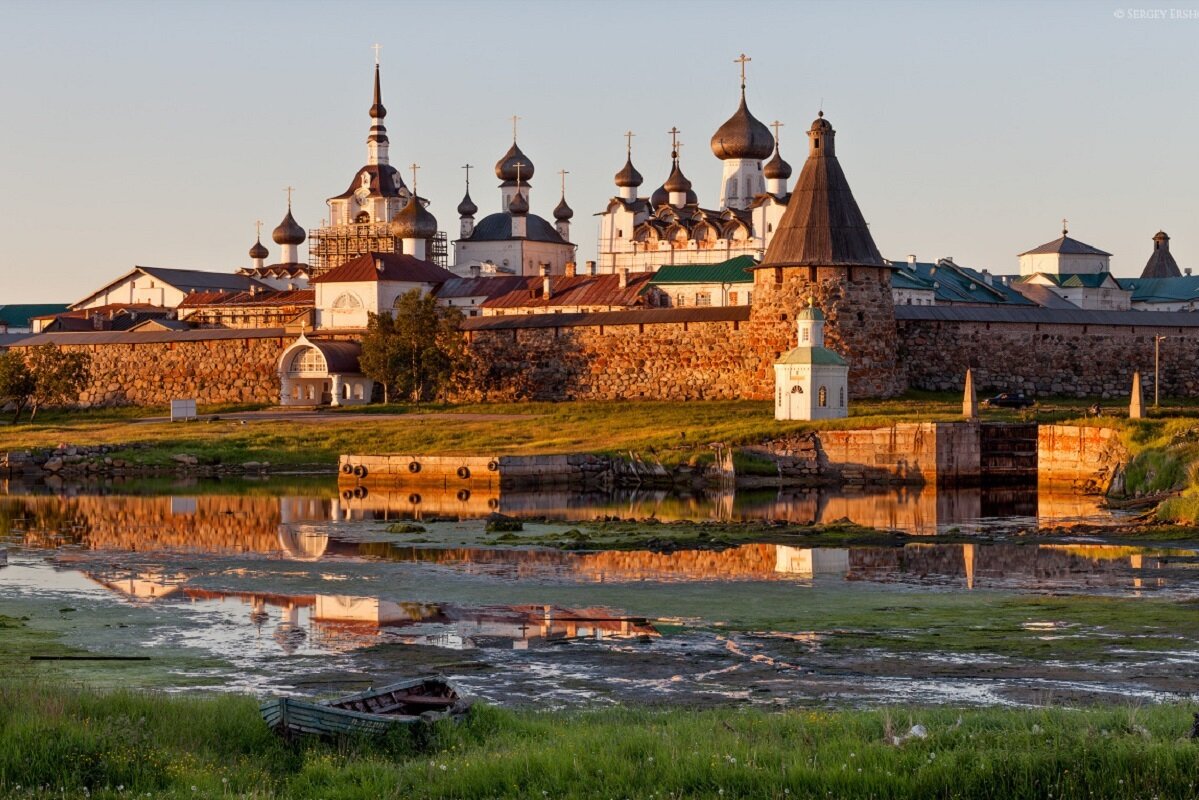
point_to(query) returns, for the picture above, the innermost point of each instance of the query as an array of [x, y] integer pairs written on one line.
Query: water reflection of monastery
[[345, 622], [287, 525]]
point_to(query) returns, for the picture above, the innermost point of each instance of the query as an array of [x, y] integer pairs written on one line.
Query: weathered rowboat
[[369, 713]]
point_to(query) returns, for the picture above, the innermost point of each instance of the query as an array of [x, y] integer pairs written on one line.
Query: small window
[[822, 397], [703, 298], [841, 397], [805, 335], [732, 298], [680, 300]]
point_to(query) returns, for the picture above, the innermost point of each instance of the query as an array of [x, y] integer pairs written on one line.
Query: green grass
[[58, 742], [676, 431]]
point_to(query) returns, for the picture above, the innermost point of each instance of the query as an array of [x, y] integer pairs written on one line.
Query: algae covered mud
[[766, 599]]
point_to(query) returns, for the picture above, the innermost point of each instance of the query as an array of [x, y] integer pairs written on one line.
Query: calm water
[[296, 588]]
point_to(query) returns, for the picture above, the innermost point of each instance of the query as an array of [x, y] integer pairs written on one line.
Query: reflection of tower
[[288, 632], [968, 558], [258, 614]]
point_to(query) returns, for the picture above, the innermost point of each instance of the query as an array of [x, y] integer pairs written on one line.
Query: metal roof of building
[[18, 315], [370, 267], [954, 283], [645, 316], [482, 286], [1182, 289], [153, 337], [732, 271], [498, 228], [570, 291], [1066, 246], [1073, 280], [1049, 316]]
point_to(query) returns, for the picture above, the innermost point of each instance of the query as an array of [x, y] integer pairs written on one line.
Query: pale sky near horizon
[[156, 133]]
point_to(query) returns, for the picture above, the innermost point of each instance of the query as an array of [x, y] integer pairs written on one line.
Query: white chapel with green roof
[[811, 381]]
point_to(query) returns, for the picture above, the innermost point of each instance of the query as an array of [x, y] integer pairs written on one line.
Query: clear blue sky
[[155, 133]]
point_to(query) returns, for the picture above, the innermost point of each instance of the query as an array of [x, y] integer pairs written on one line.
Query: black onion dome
[[628, 175], [414, 221], [660, 197], [258, 251], [776, 168], [505, 168], [519, 206], [289, 231], [467, 207], [677, 182], [563, 212], [692, 198], [742, 136]]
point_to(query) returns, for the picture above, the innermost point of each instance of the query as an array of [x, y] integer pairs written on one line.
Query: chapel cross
[[628, 135], [289, 190], [414, 167], [376, 47], [467, 167], [674, 138], [1065, 229], [776, 125], [742, 61], [564, 173], [258, 225], [518, 165], [514, 121]]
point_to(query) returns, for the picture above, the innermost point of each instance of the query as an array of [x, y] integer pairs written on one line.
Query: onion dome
[[660, 197], [742, 136], [289, 231], [519, 206], [692, 198], [820, 124], [467, 207], [505, 168], [628, 175], [776, 168], [414, 221], [677, 182], [563, 212], [258, 251]]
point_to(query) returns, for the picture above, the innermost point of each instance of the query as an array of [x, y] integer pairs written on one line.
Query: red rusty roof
[[386, 267], [282, 297], [578, 290]]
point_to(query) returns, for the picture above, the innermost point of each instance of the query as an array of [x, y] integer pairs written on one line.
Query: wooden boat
[[369, 713]]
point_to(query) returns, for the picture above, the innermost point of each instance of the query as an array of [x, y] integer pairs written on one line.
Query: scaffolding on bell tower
[[334, 245]]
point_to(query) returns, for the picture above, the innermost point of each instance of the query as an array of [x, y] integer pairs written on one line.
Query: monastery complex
[[763, 290]]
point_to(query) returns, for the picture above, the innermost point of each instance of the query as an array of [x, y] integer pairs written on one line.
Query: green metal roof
[[1163, 290], [731, 271], [18, 316], [903, 279], [1073, 280], [818, 356]]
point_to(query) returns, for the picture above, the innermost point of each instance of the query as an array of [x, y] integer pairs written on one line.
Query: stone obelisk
[[1136, 406], [970, 398]]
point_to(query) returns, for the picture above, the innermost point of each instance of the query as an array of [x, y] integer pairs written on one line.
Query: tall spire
[[376, 142], [822, 225]]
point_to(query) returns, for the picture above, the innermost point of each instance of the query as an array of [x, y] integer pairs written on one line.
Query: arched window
[[362, 218], [822, 397], [307, 360], [345, 391], [347, 300]]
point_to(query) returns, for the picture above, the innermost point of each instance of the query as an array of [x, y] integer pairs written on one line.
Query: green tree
[[58, 375], [16, 382], [417, 352]]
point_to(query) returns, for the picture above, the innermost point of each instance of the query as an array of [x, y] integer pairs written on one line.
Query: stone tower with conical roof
[[822, 252], [1161, 264]]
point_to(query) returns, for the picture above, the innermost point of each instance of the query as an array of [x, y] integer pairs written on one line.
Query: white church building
[[811, 381]]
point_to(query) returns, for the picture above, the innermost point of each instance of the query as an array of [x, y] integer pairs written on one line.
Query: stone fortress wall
[[689, 354]]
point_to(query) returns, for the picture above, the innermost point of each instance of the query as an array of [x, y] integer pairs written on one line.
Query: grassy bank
[[676, 432], [56, 742]]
